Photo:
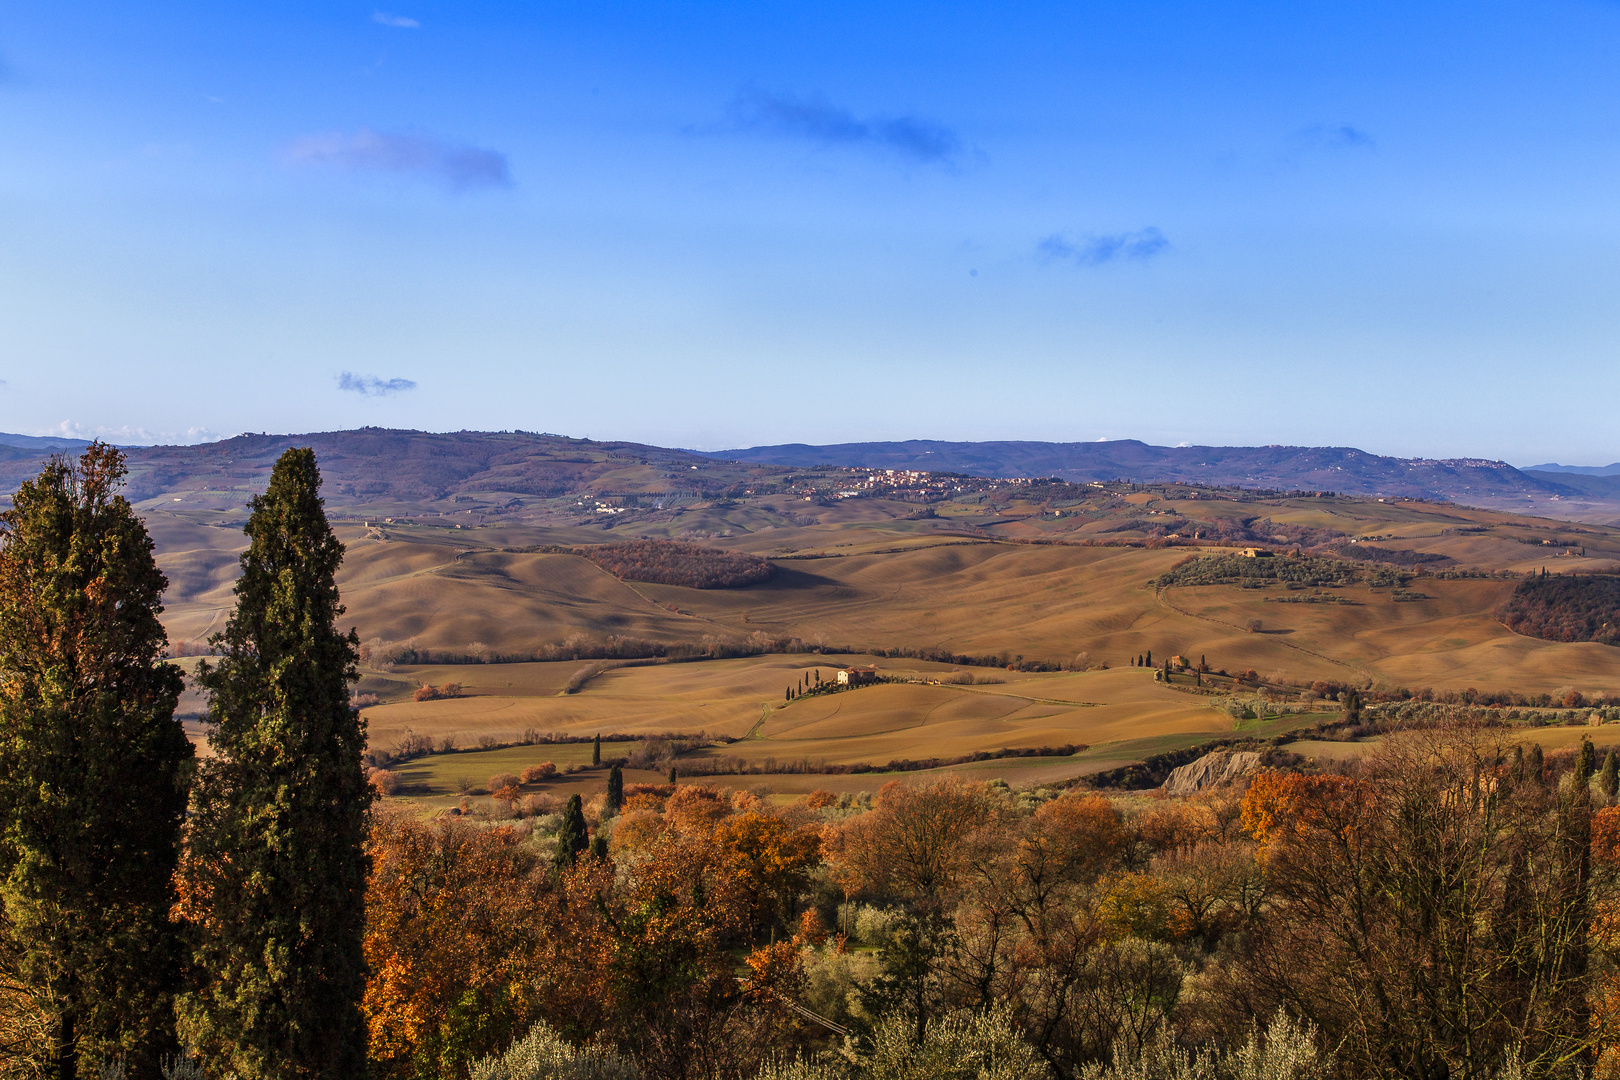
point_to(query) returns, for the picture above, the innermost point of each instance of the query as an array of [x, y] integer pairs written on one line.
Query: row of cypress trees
[[150, 901]]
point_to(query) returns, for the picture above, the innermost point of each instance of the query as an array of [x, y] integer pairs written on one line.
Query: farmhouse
[[857, 676], [1256, 553]]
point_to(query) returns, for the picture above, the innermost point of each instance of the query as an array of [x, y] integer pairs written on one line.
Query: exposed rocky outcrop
[[1212, 771]]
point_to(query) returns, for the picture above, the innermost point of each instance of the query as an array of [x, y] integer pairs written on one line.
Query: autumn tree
[[1432, 915], [93, 770], [276, 869], [913, 843], [450, 941]]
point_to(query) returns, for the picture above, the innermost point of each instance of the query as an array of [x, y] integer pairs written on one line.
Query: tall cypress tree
[[596, 750], [615, 789], [93, 767], [276, 868], [573, 836]]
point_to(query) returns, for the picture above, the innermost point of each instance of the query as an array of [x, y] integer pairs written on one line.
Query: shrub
[[534, 774], [385, 781], [542, 1054]]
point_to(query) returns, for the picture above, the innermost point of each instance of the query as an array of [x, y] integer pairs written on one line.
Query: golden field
[[867, 575]]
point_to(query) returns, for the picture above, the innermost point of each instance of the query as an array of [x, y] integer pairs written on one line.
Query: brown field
[[1042, 603], [862, 574]]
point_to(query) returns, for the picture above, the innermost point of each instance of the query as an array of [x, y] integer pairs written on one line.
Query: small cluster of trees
[[428, 692], [149, 901]]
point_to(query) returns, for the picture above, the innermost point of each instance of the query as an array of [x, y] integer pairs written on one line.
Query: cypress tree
[[672, 776], [596, 750], [572, 837], [1609, 778], [615, 789], [1586, 763], [276, 866], [1535, 764], [1149, 662], [93, 768]]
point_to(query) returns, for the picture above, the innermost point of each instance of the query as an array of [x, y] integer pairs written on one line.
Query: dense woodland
[[670, 562], [1574, 607]]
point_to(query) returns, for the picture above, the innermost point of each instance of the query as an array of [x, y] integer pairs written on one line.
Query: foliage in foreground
[[275, 870], [93, 771]]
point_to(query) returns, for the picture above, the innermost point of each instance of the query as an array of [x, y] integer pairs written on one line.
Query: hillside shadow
[[791, 579]]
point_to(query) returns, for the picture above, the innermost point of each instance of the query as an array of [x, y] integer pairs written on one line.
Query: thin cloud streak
[[398, 22], [1141, 245], [457, 166], [371, 385], [1339, 136], [819, 121]]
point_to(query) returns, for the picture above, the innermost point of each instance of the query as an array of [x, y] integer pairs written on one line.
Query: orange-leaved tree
[[450, 943]]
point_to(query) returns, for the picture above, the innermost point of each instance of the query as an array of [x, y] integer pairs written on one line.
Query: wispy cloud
[[456, 165], [398, 22], [1095, 250], [371, 386], [1339, 136], [819, 121]]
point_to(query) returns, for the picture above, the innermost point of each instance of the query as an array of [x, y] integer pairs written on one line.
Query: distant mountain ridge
[[1579, 470], [41, 442], [1324, 468], [400, 471]]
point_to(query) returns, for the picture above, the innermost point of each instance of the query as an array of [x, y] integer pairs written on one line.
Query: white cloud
[[371, 386], [124, 435], [398, 22]]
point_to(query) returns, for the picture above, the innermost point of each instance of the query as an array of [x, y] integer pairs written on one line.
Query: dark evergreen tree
[[1609, 778], [599, 849], [672, 775], [596, 750], [572, 837], [1352, 706], [1585, 763], [1534, 764], [93, 768], [1149, 662], [615, 789], [277, 866]]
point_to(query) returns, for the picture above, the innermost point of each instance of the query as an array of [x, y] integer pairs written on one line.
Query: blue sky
[[1386, 225]]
